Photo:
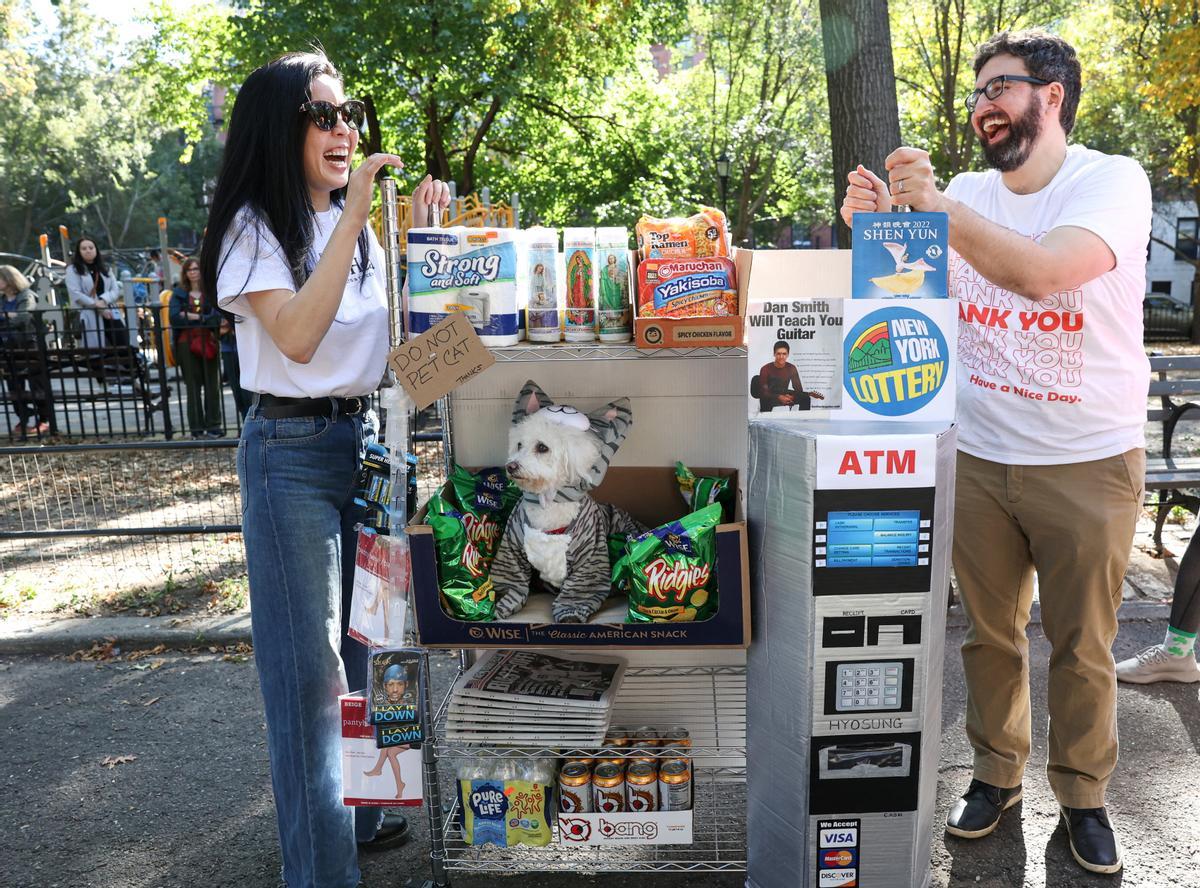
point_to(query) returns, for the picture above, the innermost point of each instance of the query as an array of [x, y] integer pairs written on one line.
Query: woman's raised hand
[[360, 189], [430, 192]]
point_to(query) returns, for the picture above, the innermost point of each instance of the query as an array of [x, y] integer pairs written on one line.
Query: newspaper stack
[[527, 698]]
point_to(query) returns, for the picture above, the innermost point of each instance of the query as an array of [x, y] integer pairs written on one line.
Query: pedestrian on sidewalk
[[1049, 266], [288, 252], [1174, 659], [194, 320], [24, 371]]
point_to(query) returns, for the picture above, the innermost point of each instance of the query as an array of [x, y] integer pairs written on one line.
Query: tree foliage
[[79, 144], [446, 78]]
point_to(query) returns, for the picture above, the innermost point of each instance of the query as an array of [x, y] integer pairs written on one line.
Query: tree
[[1168, 44], [78, 142], [760, 88], [446, 77], [864, 122], [935, 45]]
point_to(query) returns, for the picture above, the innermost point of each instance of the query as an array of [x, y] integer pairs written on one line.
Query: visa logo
[[839, 838], [889, 462]]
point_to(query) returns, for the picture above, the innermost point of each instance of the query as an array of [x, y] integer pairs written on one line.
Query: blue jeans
[[298, 516]]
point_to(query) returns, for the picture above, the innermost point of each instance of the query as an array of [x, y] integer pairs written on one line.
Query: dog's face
[[545, 454]]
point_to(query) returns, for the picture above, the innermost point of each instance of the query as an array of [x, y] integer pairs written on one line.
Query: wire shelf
[[710, 701], [582, 351], [718, 843]]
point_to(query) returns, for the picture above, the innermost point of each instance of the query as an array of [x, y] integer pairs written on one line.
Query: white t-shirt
[[1063, 380], [352, 357]]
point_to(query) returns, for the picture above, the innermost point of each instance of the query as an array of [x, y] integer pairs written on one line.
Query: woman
[[194, 321], [93, 290], [288, 252], [24, 373]]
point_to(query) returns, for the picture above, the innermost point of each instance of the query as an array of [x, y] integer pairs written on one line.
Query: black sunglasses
[[994, 87], [325, 114]]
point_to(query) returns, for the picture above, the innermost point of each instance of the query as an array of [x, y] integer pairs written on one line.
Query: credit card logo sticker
[[896, 361]]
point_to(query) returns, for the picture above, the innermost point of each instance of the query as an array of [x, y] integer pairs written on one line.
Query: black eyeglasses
[[994, 87], [325, 114]]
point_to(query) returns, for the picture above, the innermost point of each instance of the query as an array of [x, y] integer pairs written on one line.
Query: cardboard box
[[726, 332], [654, 828], [851, 535], [652, 496], [360, 755]]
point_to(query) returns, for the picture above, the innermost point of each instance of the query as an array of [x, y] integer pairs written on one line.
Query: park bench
[[1174, 380]]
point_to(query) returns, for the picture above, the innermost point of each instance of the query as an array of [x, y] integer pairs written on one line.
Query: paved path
[[194, 807]]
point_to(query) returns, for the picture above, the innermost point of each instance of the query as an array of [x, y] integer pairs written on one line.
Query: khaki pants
[[1074, 524]]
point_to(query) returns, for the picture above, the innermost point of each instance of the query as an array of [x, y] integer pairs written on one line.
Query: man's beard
[[1015, 149]]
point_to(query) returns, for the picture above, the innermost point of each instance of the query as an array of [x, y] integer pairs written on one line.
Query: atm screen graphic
[[867, 541], [873, 538]]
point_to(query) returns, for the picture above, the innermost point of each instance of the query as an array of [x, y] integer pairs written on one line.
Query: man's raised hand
[[865, 193]]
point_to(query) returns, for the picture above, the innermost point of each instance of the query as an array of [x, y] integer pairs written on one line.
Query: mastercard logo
[[838, 858]]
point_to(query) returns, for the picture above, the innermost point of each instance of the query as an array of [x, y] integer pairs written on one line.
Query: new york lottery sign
[[898, 359]]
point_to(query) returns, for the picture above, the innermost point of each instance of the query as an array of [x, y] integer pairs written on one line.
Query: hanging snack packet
[[672, 570], [704, 234], [466, 591], [699, 491]]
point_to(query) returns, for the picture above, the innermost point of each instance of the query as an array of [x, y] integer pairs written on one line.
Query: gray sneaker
[[1155, 664]]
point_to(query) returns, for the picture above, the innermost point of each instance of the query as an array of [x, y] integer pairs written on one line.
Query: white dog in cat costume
[[556, 455]]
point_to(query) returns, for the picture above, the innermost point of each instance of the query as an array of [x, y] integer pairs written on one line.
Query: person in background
[[1052, 461], [1174, 659], [194, 321], [93, 290], [289, 251], [24, 374], [231, 368]]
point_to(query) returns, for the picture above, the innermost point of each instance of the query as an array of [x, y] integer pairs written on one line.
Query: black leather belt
[[275, 407]]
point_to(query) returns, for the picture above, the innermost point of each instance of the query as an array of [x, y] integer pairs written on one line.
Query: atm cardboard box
[[724, 332], [652, 496]]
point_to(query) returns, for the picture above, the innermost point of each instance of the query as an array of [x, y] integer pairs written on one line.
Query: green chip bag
[[466, 589], [672, 570], [616, 559], [699, 491], [486, 498]]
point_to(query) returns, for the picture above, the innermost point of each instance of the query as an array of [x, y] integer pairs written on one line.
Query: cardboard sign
[[795, 358], [900, 255], [870, 462], [899, 359], [440, 360]]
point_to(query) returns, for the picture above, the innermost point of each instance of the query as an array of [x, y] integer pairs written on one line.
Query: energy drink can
[[641, 788], [646, 735], [575, 789], [608, 784], [675, 786]]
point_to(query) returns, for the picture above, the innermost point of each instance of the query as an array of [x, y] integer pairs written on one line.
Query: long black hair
[[82, 267], [263, 167]]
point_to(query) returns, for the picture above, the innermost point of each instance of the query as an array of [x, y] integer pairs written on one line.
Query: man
[[779, 383], [1049, 269]]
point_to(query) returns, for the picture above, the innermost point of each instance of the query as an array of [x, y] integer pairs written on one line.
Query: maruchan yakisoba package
[[687, 288], [671, 571]]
